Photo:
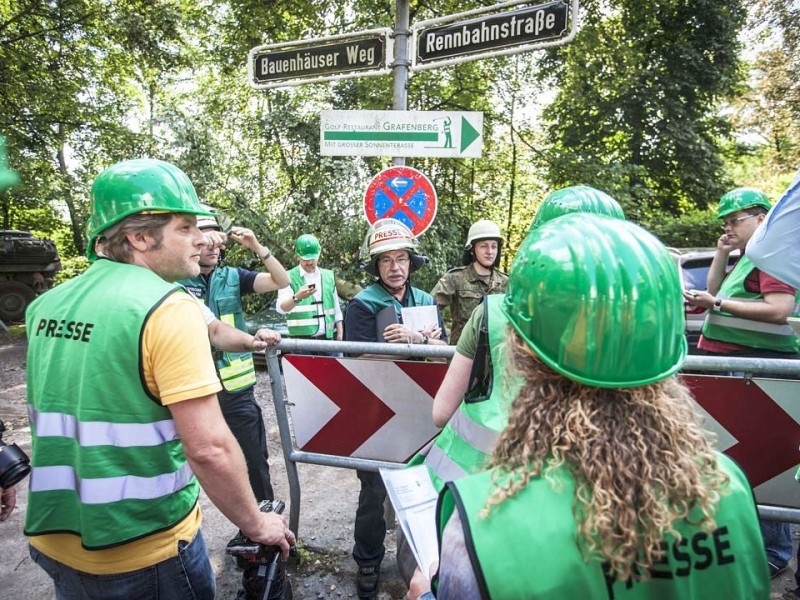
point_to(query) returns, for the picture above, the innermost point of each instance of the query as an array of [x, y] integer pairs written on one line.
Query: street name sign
[[466, 36], [321, 59], [444, 134]]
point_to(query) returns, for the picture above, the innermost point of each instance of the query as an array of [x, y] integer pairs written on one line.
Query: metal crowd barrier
[[747, 369]]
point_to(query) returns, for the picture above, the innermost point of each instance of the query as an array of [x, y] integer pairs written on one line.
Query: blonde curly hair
[[640, 459]]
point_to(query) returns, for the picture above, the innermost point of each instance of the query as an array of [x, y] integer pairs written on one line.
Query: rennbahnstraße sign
[[524, 26]]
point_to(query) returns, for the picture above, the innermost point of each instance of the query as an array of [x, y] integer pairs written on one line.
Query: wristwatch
[[266, 255], [424, 339], [718, 303]]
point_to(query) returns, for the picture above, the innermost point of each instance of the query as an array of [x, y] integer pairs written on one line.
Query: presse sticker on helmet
[[404, 194]]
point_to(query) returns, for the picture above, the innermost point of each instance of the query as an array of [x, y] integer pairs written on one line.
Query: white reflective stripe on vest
[[109, 489], [749, 325], [102, 433], [479, 437], [444, 467], [301, 322], [304, 308]]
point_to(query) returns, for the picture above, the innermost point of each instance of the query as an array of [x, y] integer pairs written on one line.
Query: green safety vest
[[107, 461], [375, 298], [223, 296], [464, 445], [303, 319], [526, 547], [725, 327]]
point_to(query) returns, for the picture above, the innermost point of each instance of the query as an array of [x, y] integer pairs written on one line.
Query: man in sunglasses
[[747, 316]]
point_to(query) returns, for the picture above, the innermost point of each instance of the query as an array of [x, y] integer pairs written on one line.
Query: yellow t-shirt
[[177, 366]]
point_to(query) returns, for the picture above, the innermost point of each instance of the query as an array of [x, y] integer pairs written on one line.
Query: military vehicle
[[27, 267]]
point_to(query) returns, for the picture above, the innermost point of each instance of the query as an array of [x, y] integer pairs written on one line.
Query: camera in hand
[[264, 574], [14, 463]]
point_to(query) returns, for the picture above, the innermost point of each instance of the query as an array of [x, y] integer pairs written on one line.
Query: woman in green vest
[[603, 485]]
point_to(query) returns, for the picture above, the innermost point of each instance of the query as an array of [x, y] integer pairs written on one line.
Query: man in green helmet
[[310, 301], [123, 407], [747, 316], [463, 288], [603, 484]]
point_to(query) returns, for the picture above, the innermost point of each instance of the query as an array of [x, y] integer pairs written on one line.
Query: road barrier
[[366, 413]]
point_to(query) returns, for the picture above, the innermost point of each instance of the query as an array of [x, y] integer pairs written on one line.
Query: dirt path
[[328, 505]]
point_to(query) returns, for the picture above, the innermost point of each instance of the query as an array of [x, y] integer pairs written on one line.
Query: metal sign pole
[[401, 62]]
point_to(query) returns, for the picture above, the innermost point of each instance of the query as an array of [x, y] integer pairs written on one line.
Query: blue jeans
[[777, 541], [187, 576]]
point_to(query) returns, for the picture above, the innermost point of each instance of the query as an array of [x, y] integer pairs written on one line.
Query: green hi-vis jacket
[[526, 547], [726, 327], [465, 444], [303, 319], [107, 462], [222, 295]]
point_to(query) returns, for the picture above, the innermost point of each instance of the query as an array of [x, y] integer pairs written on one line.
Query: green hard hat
[[576, 199], [8, 176], [136, 186], [599, 301], [307, 247], [740, 199]]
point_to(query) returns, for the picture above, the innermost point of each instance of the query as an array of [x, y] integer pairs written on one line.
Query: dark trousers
[[370, 528], [243, 415]]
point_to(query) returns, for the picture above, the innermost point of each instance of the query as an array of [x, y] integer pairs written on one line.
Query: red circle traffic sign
[[404, 194]]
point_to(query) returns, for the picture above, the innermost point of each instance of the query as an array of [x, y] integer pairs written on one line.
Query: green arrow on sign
[[468, 134]]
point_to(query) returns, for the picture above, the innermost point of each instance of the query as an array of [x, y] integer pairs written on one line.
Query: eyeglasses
[[386, 261], [734, 221]]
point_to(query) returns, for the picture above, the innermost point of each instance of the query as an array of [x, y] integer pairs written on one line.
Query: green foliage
[[635, 111], [71, 267], [692, 229]]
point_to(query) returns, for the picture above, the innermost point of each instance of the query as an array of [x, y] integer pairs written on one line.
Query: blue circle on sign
[[404, 194]]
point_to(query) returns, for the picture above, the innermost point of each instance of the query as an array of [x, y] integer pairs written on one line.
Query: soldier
[[463, 288]]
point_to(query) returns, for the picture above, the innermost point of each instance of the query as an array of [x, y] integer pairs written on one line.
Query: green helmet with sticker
[[144, 185], [307, 247], [599, 301], [576, 199], [740, 199]]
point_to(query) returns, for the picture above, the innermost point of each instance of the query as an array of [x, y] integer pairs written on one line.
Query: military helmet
[[740, 199], [385, 235], [307, 247], [143, 185], [576, 199], [599, 301], [8, 176], [479, 231]]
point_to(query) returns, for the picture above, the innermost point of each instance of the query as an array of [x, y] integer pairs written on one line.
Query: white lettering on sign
[[540, 21], [356, 55], [300, 62]]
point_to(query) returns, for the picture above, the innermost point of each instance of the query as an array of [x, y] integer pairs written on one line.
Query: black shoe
[[775, 570], [367, 581]]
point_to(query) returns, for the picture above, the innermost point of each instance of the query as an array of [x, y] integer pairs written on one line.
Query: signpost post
[[447, 134]]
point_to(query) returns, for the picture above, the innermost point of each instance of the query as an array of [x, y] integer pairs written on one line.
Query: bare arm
[[224, 337], [775, 307], [716, 272], [451, 392], [216, 459], [277, 277]]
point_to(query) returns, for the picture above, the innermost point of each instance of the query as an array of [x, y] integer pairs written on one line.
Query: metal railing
[[745, 367]]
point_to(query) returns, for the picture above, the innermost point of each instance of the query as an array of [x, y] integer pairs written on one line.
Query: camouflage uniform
[[462, 289]]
